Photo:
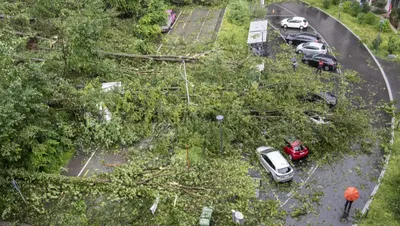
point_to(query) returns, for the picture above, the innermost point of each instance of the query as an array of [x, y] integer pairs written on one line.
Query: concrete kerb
[[366, 207]]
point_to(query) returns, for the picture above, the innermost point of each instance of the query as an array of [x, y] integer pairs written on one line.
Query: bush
[[379, 3], [395, 17], [326, 4], [361, 18], [335, 2], [238, 12], [370, 18], [385, 26], [365, 8], [257, 12], [21, 20], [393, 44], [351, 7]]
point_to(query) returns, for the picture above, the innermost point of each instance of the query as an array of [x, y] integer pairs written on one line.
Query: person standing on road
[[320, 65], [348, 202]]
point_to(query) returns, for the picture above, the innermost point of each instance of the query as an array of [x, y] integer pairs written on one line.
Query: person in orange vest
[[320, 65]]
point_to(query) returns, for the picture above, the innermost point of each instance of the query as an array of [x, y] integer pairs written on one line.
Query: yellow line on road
[[84, 175]]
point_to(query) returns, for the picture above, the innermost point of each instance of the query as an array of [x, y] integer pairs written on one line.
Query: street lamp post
[[379, 34], [220, 118]]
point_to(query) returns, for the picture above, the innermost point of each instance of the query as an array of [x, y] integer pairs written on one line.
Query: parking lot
[[199, 25]]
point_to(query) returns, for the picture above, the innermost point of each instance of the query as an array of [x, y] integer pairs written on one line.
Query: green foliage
[[326, 4], [393, 44], [238, 12], [336, 2], [137, 9], [365, 8], [384, 27], [367, 18], [377, 42], [351, 7], [379, 3]]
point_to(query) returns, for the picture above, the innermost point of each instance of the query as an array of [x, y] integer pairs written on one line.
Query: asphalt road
[[361, 171]]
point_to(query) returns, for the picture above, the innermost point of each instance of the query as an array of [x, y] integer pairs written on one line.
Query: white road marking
[[290, 194], [201, 29], [176, 21], [86, 164]]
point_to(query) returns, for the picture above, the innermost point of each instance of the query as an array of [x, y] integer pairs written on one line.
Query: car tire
[[306, 62], [326, 68], [301, 27], [300, 52], [285, 26], [290, 42]]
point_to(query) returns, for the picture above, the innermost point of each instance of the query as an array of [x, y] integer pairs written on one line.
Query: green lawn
[[365, 31], [385, 208]]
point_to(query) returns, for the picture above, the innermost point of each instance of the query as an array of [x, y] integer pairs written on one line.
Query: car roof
[[308, 34], [277, 159], [297, 18], [317, 44], [326, 56]]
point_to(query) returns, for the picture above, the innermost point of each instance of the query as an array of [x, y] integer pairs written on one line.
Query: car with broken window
[[295, 148], [275, 164], [330, 63], [328, 97]]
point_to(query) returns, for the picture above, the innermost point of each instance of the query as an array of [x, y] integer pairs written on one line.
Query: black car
[[330, 62], [295, 39], [328, 97]]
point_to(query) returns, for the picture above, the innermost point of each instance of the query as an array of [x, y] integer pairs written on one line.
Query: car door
[[309, 50], [264, 159], [315, 59], [299, 39], [291, 23]]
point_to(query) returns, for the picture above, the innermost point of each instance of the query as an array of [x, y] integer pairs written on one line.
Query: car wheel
[[301, 27], [306, 62], [290, 42], [285, 26], [326, 68], [300, 51]]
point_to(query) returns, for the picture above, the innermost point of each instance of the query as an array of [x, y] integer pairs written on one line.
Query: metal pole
[[220, 135], [186, 80]]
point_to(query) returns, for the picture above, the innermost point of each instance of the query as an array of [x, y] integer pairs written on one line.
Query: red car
[[295, 149], [170, 21]]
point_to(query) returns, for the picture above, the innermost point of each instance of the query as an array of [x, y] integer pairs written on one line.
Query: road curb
[[366, 207]]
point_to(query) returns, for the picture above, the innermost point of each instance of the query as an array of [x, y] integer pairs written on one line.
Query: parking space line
[[201, 29], [290, 194], [293, 14], [83, 168]]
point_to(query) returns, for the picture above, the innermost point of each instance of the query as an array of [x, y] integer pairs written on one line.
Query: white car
[[275, 164], [316, 118], [311, 48], [294, 22]]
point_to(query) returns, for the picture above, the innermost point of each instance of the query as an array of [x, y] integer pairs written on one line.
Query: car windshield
[[323, 47], [299, 148], [305, 21], [284, 170]]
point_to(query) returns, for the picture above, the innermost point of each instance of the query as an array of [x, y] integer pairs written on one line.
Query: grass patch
[[385, 207], [366, 32]]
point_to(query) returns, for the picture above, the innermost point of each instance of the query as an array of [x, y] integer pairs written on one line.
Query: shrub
[[385, 26], [238, 12], [352, 8], [379, 3], [370, 18], [365, 8], [257, 12], [361, 18], [395, 16], [393, 44], [335, 2], [379, 11], [326, 4], [21, 20]]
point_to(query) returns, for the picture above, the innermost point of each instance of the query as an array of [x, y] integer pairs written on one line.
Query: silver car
[[273, 161], [311, 48]]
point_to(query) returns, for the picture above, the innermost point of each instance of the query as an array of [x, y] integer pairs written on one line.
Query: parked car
[[316, 117], [275, 164], [295, 149], [330, 62], [328, 97], [303, 37], [170, 21], [311, 48], [294, 22]]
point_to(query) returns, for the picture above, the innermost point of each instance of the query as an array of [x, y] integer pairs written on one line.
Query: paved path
[[361, 171], [199, 25]]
